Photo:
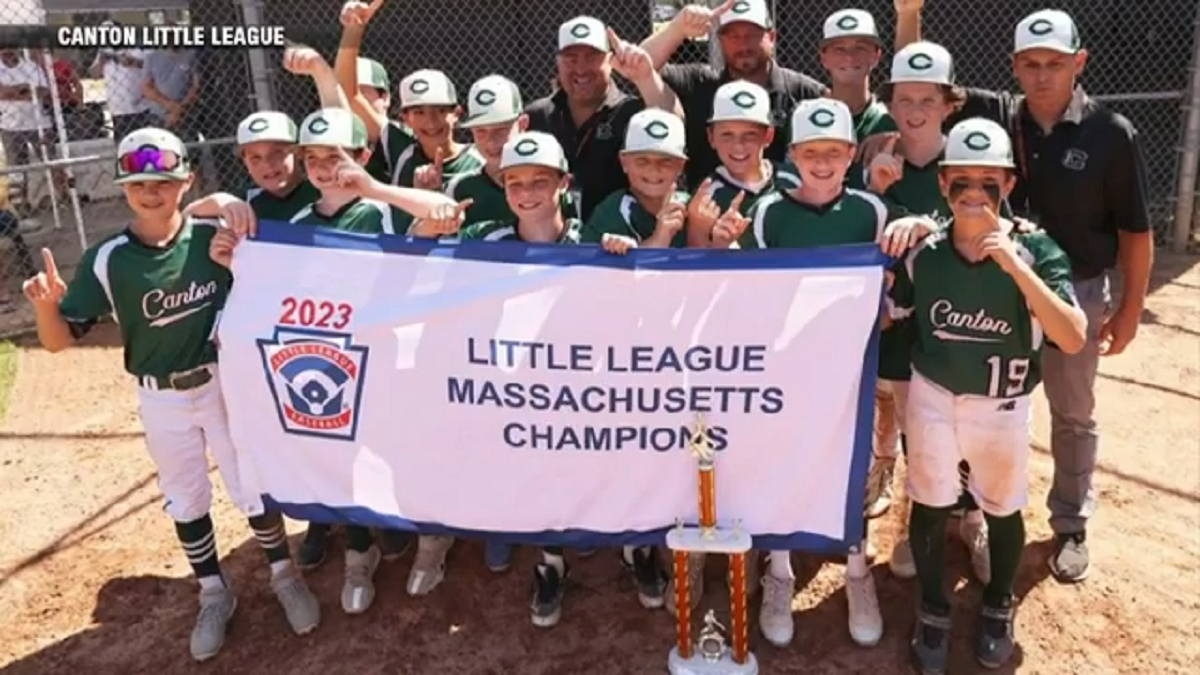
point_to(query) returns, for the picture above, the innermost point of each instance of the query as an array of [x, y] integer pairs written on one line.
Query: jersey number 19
[[1007, 380]]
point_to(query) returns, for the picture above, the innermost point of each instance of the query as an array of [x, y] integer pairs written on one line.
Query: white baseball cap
[[149, 154], [822, 119], [850, 23], [741, 101], [923, 62], [656, 131], [748, 11], [533, 148], [1048, 29], [371, 73], [494, 99], [427, 87], [583, 30], [978, 142], [267, 125], [334, 127]]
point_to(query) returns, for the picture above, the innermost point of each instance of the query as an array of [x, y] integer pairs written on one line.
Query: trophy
[[709, 655]]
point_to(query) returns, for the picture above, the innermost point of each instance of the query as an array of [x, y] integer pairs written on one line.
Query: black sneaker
[[393, 543], [548, 589], [1070, 563], [648, 573], [995, 643], [929, 648], [312, 550]]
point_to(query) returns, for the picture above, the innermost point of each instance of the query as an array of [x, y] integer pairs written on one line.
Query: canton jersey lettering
[[165, 300], [973, 330], [363, 216], [398, 155], [621, 214], [780, 221]]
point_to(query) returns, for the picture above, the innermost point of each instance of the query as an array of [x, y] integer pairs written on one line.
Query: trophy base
[[697, 665], [717, 541]]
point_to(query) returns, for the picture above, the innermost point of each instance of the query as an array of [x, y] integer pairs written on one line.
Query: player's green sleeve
[[476, 231], [86, 299], [394, 139], [1051, 265], [604, 220]]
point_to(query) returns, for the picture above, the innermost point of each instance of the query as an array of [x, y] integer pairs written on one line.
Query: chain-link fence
[[58, 133]]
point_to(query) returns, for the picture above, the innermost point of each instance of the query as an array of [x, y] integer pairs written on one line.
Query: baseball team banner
[[550, 394]]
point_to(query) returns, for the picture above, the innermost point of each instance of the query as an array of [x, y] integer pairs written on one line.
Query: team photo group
[[1001, 217]]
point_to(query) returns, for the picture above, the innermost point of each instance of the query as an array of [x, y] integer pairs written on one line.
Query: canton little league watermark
[[168, 37]]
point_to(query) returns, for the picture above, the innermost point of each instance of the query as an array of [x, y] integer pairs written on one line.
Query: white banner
[[548, 394]]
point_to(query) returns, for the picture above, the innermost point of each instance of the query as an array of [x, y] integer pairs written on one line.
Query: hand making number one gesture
[[695, 21], [731, 224], [431, 176], [356, 13], [47, 287], [629, 60]]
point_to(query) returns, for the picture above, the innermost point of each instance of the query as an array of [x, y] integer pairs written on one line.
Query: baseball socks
[[299, 604], [775, 613], [996, 641], [362, 559], [549, 587], [930, 645], [217, 602], [643, 563]]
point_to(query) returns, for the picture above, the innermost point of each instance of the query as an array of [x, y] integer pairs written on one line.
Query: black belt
[[182, 381]]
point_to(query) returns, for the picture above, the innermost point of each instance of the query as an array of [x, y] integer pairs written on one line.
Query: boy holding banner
[[495, 113], [823, 212], [983, 295]]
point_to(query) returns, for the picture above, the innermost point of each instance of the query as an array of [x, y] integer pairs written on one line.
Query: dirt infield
[[91, 578]]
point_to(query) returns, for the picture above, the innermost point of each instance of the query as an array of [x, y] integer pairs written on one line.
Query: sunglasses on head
[[150, 159]]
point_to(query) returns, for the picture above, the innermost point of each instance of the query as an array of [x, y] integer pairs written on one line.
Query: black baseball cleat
[[311, 553], [549, 587], [649, 575], [994, 645], [929, 647]]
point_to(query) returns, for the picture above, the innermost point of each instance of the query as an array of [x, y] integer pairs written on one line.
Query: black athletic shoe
[[994, 645], [648, 573], [393, 543], [548, 590], [312, 550], [1070, 563], [929, 648]]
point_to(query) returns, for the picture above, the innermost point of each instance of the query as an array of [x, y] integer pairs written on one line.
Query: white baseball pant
[[991, 434], [891, 399], [179, 426]]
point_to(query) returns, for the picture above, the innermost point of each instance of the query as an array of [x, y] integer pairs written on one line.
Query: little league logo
[[316, 379]]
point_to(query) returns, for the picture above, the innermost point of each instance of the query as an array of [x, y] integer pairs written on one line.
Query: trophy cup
[[709, 655]]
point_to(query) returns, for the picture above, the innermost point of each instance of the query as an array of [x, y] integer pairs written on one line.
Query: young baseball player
[[156, 280], [334, 145], [534, 174], [921, 95], [850, 50], [740, 131], [652, 212], [495, 113], [983, 297], [823, 212], [374, 84], [429, 111]]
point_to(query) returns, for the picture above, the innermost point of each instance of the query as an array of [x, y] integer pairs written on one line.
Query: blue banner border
[[278, 232]]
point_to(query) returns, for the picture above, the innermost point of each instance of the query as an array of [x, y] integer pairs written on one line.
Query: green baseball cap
[[978, 142], [533, 148], [492, 100], [335, 128], [371, 73], [267, 125]]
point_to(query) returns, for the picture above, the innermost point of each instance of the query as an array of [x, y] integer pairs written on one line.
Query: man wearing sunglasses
[[157, 280]]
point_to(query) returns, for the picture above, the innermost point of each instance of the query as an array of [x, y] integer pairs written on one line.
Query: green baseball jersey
[[267, 206], [165, 300], [780, 221], [397, 155], [621, 213], [488, 200], [973, 330], [364, 216], [874, 119], [506, 230], [725, 187]]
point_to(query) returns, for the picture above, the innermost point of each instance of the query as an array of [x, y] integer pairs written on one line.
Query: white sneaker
[[880, 489], [429, 567], [358, 591], [866, 623], [216, 608], [695, 583], [902, 564], [975, 536], [775, 615], [301, 607]]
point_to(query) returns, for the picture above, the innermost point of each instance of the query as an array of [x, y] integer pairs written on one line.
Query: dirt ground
[[91, 578]]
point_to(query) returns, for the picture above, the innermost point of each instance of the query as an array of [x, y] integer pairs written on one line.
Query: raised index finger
[[725, 7], [613, 40], [889, 146], [49, 264], [736, 205]]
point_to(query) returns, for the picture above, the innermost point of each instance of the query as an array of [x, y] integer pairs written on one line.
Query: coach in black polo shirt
[[748, 49], [1082, 179], [589, 114]]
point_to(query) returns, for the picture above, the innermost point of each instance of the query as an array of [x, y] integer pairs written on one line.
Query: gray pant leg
[[1070, 388]]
